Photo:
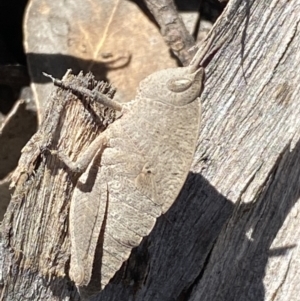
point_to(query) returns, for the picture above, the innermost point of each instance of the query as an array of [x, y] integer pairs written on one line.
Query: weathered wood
[[35, 228], [232, 233]]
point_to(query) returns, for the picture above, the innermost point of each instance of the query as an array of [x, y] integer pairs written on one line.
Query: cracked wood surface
[[232, 233]]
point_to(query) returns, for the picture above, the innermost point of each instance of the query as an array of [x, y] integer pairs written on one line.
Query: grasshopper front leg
[[86, 157], [93, 94]]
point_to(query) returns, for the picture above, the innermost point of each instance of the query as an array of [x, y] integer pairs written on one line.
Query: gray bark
[[232, 232]]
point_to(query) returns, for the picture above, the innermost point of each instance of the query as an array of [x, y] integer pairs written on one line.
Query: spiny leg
[[86, 157], [95, 95]]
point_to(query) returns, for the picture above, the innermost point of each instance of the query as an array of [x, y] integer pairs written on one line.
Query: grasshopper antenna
[[203, 56]]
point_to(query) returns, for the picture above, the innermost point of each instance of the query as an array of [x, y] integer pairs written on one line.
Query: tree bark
[[232, 232], [173, 29]]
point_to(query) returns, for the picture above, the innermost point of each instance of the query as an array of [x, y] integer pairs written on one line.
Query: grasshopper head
[[176, 86]]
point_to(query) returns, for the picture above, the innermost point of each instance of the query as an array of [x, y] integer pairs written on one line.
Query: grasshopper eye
[[179, 84]]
